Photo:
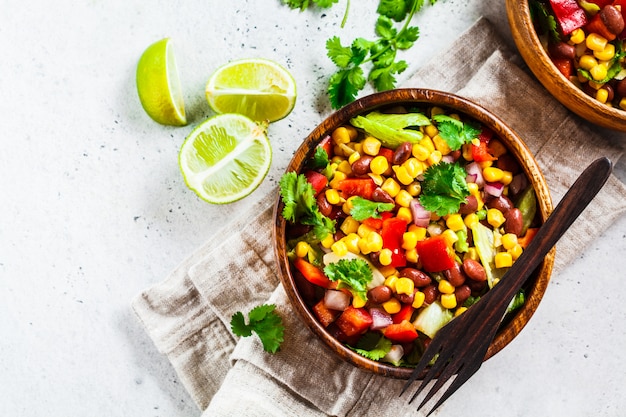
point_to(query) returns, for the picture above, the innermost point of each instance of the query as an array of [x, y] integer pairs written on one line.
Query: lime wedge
[[258, 88], [225, 158], [158, 84]]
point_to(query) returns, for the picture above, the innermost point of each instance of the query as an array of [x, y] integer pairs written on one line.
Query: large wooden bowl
[[557, 84], [536, 285]]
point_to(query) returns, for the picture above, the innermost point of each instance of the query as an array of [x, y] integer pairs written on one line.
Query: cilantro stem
[[345, 14]]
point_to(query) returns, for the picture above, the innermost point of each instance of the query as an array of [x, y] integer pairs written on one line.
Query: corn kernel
[[328, 241], [495, 217], [466, 151], [411, 255], [606, 54], [507, 177], [349, 225], [354, 157], [445, 287], [622, 103], [427, 142], [347, 206], [352, 132], [339, 248], [455, 222], [485, 164], [363, 246], [379, 165], [497, 148], [392, 306], [492, 174], [587, 62], [405, 214], [388, 271], [420, 152], [384, 257], [340, 135], [420, 232], [358, 302], [352, 242], [409, 240], [403, 198], [448, 301], [516, 251], [602, 95], [460, 311], [405, 286], [472, 254], [503, 260], [577, 36], [596, 42], [441, 145], [391, 187], [415, 188], [345, 167], [413, 167], [374, 242], [471, 220], [431, 130], [364, 230], [598, 72], [337, 178], [450, 236], [436, 110], [390, 281], [435, 157], [371, 146], [333, 197], [418, 299], [378, 179], [302, 249], [509, 240]]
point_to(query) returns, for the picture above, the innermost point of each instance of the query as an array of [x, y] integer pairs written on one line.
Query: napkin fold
[[188, 314]]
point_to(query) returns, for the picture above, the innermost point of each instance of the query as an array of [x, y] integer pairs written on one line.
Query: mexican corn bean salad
[[399, 221]]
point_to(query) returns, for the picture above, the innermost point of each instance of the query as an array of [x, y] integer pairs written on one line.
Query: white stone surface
[[93, 208]]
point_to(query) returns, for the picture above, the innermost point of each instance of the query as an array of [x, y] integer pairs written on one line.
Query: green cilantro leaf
[[372, 346], [444, 188], [364, 209], [265, 322], [354, 273], [320, 158], [455, 132]]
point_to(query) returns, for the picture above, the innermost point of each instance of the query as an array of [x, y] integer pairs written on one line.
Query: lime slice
[[258, 88], [158, 84], [225, 158]]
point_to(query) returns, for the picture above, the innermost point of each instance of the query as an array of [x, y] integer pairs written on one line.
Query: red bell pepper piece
[[600, 3], [324, 314], [362, 187], [435, 254], [392, 233], [525, 240], [354, 321], [569, 15], [327, 145], [405, 313], [317, 180], [312, 273], [480, 152], [564, 66], [377, 224], [403, 332], [622, 6], [387, 153]]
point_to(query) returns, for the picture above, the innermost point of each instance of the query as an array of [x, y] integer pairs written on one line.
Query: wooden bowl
[[557, 84], [536, 285]]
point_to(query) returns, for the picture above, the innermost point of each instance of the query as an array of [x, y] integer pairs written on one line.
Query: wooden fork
[[460, 346]]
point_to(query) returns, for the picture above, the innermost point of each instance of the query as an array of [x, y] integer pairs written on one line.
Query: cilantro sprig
[[381, 53], [354, 273], [364, 209], [372, 346], [444, 188], [455, 132], [263, 321]]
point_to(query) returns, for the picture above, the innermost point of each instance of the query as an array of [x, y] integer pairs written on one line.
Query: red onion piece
[[474, 174], [336, 300], [421, 216], [494, 188], [380, 319], [448, 159]]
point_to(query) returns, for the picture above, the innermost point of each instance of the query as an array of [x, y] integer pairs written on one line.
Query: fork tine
[[462, 376], [451, 367], [427, 356]]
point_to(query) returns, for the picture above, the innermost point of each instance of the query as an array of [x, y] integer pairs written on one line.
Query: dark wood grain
[[561, 88], [536, 285]]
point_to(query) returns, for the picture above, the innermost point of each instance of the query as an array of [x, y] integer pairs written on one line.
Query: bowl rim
[[568, 94], [388, 98]]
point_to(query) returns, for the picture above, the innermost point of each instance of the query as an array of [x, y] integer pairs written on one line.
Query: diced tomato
[[387, 153], [564, 66], [525, 240], [354, 321], [312, 273], [403, 332], [377, 224], [392, 233], [435, 254], [569, 15], [324, 314], [480, 152], [362, 187], [317, 180], [405, 313], [327, 145]]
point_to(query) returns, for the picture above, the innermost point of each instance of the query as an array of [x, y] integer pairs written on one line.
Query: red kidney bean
[[514, 222], [612, 19], [474, 270], [462, 293], [620, 88], [610, 91], [405, 298], [431, 293], [507, 162], [402, 153], [470, 205], [562, 50], [362, 165], [419, 278], [455, 275], [381, 196], [324, 206], [502, 203], [379, 294], [477, 287]]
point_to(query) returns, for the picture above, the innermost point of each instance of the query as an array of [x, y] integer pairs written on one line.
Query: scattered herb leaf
[[265, 322]]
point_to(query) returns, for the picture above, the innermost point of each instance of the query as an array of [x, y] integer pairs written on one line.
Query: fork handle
[[566, 212]]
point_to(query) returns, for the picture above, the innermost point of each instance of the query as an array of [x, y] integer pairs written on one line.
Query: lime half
[[158, 84], [225, 158], [258, 88]]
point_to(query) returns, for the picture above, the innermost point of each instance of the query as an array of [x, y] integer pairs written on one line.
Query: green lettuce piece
[[484, 241], [432, 318], [390, 135]]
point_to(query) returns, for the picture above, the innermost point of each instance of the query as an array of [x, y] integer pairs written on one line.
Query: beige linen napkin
[[188, 314]]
